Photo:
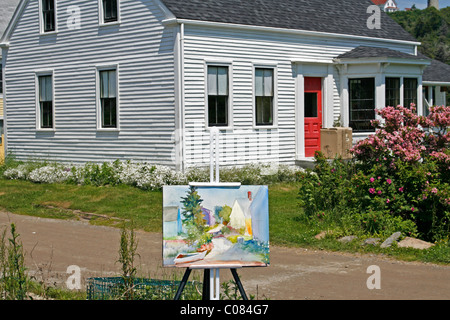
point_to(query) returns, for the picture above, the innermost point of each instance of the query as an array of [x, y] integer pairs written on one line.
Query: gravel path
[[52, 246]]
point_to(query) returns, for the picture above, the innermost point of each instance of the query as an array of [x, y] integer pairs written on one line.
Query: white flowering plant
[[143, 175]]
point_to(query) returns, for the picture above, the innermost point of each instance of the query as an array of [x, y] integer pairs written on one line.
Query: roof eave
[[436, 83], [412, 61]]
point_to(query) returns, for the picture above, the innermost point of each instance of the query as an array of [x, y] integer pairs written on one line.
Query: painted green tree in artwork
[[193, 215], [192, 209], [225, 214]]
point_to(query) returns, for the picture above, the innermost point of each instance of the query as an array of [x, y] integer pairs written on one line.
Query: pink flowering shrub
[[410, 156], [399, 179], [404, 135]]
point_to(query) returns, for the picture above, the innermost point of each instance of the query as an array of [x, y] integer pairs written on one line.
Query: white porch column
[[300, 114]]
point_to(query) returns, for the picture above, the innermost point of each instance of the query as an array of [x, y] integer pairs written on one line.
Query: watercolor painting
[[211, 226]]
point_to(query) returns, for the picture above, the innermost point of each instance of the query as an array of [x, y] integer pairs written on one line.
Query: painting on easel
[[215, 226]]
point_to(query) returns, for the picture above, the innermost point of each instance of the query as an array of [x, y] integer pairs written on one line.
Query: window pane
[[268, 82], [392, 92], [108, 84], [410, 91], [212, 81], [222, 81], [46, 114], [48, 5], [264, 82], [311, 104], [45, 88], [259, 74], [104, 84], [48, 15], [264, 107], [361, 104], [109, 10], [112, 84], [217, 110], [109, 113]]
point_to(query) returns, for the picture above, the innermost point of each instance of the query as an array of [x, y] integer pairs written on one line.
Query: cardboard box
[[336, 142]]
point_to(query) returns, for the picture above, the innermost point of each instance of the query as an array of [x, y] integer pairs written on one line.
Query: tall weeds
[[13, 281], [127, 253]]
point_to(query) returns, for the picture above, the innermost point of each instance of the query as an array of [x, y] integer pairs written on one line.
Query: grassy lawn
[[113, 205], [101, 205]]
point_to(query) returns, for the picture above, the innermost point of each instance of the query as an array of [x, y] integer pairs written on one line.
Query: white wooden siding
[[243, 143], [140, 46]]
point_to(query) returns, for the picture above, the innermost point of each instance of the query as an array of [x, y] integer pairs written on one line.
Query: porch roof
[[376, 52], [438, 72]]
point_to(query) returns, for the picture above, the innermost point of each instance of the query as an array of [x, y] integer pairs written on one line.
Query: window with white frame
[[109, 11], [45, 101], [48, 13], [264, 96], [108, 98], [218, 96], [361, 104]]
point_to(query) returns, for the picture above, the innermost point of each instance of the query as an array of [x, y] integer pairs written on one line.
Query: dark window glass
[[410, 91], [48, 15], [392, 92], [109, 10], [361, 104], [310, 104], [217, 96], [264, 96]]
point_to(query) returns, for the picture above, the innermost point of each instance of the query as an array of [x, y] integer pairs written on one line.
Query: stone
[[414, 243], [320, 235], [389, 241], [347, 239], [323, 234], [372, 241]]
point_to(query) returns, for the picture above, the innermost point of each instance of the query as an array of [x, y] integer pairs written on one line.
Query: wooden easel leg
[[206, 284], [182, 284], [239, 284]]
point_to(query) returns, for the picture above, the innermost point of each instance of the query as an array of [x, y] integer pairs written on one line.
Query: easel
[[210, 280], [211, 276]]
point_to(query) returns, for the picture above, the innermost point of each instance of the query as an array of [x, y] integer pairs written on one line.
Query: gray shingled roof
[[7, 9], [375, 52], [333, 16], [437, 72]]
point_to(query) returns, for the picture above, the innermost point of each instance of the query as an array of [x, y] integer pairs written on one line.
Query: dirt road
[[52, 246]]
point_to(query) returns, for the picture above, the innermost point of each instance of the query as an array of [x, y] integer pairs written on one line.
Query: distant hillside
[[429, 26]]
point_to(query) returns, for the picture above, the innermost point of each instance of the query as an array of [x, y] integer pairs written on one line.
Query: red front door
[[313, 114]]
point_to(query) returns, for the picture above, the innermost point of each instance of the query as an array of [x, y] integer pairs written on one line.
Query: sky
[[420, 4]]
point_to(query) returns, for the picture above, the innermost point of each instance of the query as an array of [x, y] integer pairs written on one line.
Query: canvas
[[212, 227]]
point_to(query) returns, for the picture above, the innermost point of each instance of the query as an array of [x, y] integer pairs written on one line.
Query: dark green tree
[[192, 210]]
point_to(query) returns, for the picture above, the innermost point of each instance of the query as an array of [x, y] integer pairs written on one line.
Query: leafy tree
[[429, 26], [225, 214]]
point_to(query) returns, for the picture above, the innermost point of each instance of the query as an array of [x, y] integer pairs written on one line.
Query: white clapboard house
[[146, 80]]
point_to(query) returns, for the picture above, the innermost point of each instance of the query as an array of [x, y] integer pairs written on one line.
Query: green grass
[[62, 201], [112, 206]]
